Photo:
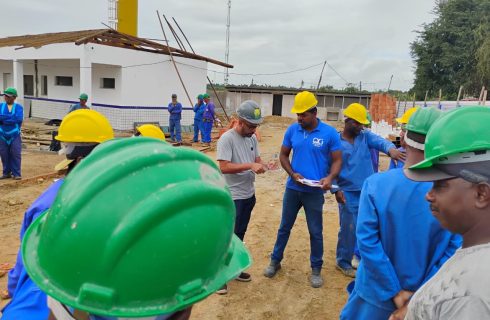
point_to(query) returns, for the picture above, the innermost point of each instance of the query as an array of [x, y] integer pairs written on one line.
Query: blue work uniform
[[10, 141], [198, 113], [28, 301], [401, 244], [356, 168], [207, 121], [312, 159], [397, 163], [375, 159], [175, 111], [77, 106]]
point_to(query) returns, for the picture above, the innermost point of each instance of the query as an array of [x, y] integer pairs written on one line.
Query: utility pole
[[389, 86], [227, 52]]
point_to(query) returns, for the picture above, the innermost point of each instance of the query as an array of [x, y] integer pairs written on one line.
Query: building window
[[28, 85], [108, 83], [64, 81], [44, 85]]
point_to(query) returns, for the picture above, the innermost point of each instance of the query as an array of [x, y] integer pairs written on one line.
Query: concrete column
[[86, 73], [18, 79]]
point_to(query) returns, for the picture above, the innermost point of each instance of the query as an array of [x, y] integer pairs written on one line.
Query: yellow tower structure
[[127, 17]]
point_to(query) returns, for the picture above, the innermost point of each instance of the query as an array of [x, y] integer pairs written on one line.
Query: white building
[[128, 79], [279, 101]]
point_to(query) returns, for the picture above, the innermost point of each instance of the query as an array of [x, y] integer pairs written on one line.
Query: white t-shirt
[[459, 290]]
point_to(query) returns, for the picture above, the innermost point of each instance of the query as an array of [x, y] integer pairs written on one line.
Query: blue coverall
[[401, 244], [10, 141], [356, 168], [208, 121], [198, 110], [175, 111], [28, 301]]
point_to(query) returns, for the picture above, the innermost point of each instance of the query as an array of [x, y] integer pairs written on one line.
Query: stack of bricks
[[383, 107]]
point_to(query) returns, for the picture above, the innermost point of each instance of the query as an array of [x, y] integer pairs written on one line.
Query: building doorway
[[277, 105]]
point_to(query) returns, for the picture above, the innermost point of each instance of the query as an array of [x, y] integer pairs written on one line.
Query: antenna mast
[[227, 52]]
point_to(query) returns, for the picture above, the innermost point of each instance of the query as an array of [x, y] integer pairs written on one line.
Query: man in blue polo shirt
[[356, 168], [316, 156]]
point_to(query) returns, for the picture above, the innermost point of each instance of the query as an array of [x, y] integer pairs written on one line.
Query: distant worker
[[316, 156], [81, 105], [151, 131], [356, 168], [402, 121], [239, 160], [457, 161], [401, 244], [151, 256], [208, 119], [81, 132], [11, 118], [175, 110], [198, 112]]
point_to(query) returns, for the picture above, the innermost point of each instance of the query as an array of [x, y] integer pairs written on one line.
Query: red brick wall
[[383, 107]]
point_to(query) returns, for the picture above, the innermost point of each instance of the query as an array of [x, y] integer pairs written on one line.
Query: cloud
[[364, 40]]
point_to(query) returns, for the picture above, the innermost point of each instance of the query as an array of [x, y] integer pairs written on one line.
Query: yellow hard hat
[[85, 125], [152, 131], [406, 116], [304, 101], [358, 112]]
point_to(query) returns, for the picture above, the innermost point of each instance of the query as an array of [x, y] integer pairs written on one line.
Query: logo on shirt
[[317, 142]]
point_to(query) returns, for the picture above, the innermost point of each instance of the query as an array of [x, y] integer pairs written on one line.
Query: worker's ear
[[482, 196]]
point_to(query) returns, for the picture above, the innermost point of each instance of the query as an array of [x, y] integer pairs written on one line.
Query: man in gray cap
[[239, 160]]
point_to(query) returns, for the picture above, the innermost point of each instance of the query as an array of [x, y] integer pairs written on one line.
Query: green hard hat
[[465, 129], [83, 96], [138, 229], [250, 111], [370, 119], [205, 96], [200, 97], [421, 121], [10, 92]]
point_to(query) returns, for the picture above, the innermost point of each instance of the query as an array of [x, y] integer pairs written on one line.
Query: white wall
[[234, 99], [142, 79], [106, 96]]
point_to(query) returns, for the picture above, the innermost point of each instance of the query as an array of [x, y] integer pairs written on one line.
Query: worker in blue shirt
[[198, 112], [374, 152], [208, 119], [80, 105], [175, 110], [28, 301], [356, 168], [402, 245], [402, 121], [316, 156], [11, 118]]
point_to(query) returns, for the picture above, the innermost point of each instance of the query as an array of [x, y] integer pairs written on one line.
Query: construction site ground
[[287, 296]]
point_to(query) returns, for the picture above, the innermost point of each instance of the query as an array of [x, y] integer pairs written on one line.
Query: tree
[[453, 50]]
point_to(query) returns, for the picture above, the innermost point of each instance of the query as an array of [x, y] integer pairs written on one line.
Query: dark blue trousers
[[10, 153], [243, 210]]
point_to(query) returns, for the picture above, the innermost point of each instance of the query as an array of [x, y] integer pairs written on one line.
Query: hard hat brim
[[252, 121], [238, 260], [62, 165], [426, 174]]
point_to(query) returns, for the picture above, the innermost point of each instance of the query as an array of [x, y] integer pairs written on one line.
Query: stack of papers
[[314, 183]]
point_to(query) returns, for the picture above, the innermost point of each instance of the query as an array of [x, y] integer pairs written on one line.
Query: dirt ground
[[287, 296]]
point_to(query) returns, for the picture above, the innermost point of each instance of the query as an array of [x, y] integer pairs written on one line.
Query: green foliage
[[453, 50]]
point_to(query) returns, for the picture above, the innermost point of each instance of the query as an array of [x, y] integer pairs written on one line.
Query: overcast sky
[[364, 40]]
